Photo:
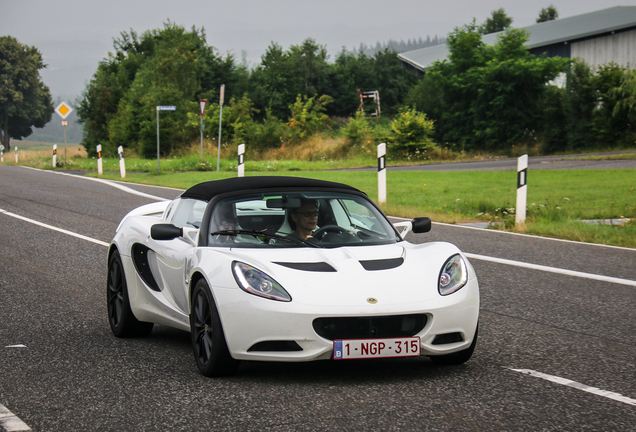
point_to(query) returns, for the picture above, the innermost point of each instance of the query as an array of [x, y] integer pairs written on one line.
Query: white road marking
[[490, 231], [469, 255], [535, 236], [564, 381], [63, 231], [9, 422], [129, 190], [109, 183], [552, 269], [16, 346]]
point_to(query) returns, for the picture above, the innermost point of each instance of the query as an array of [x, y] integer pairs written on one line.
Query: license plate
[[376, 348]]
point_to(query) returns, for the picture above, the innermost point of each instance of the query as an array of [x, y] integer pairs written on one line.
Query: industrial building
[[598, 38]]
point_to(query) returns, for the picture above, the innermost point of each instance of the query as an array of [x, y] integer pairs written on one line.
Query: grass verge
[[557, 199]]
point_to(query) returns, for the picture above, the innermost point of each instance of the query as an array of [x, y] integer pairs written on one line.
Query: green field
[[557, 199]]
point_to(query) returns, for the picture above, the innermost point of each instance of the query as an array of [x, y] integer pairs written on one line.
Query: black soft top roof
[[208, 190]]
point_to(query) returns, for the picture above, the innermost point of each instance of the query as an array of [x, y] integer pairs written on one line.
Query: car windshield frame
[[264, 220]]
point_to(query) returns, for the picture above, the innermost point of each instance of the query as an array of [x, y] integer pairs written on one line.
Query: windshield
[[309, 219]]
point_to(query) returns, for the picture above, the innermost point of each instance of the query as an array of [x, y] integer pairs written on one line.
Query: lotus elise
[[290, 270]]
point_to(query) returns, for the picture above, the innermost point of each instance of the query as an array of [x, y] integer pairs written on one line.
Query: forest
[[482, 98]]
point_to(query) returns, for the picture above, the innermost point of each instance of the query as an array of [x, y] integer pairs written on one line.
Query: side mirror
[[165, 232], [421, 225]]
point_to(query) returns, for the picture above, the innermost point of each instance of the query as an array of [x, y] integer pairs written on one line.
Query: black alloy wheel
[[208, 341], [122, 321]]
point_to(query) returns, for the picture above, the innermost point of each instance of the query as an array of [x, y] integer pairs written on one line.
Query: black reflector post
[[382, 173], [241, 160], [522, 189]]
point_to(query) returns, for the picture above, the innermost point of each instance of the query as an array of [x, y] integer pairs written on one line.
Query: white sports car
[[289, 269]]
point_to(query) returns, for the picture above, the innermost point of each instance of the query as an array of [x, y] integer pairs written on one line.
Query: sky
[[74, 35]]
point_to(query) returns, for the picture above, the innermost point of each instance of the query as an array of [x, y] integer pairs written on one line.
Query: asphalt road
[[61, 369], [534, 162]]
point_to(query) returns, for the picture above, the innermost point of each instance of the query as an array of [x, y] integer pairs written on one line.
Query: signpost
[[64, 110], [162, 108], [202, 105], [218, 152]]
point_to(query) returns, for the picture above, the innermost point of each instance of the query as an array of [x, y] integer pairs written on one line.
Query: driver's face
[[306, 217]]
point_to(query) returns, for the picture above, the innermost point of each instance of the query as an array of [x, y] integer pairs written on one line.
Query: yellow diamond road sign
[[63, 110]]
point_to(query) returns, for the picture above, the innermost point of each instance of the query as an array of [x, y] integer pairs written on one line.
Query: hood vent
[[308, 266], [382, 264]]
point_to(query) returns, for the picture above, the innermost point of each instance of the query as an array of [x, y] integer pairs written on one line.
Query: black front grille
[[369, 327], [448, 338], [275, 346]]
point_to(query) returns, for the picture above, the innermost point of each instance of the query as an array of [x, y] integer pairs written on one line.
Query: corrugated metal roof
[[543, 34]]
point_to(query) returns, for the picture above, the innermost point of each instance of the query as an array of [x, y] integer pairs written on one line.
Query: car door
[[173, 257]]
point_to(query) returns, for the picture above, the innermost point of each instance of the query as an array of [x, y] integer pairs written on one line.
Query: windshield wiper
[[264, 233]]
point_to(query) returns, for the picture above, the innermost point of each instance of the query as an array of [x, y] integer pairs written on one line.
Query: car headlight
[[254, 281], [453, 276]]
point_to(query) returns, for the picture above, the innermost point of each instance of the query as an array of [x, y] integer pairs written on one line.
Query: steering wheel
[[319, 234]]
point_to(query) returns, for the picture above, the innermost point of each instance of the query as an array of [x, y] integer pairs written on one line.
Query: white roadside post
[[382, 173], [16, 154], [99, 159], [2, 153], [54, 155], [241, 160], [522, 189], [202, 106], [122, 165], [218, 152]]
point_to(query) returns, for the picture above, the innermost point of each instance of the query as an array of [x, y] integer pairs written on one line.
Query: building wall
[[619, 48]]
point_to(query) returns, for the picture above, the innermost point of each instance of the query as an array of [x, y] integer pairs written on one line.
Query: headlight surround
[[254, 281], [453, 276]]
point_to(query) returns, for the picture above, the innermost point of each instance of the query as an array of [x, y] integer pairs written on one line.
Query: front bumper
[[274, 328]]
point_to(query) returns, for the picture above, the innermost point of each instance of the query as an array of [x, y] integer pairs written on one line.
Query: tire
[[459, 357], [208, 340], [122, 321]]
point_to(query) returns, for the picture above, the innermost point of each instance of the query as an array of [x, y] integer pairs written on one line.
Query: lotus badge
[[372, 300]]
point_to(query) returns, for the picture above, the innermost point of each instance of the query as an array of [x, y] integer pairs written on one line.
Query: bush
[[411, 133], [267, 134], [307, 118], [358, 130]]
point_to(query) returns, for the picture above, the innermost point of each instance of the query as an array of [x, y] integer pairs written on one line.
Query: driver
[[223, 219], [305, 218]]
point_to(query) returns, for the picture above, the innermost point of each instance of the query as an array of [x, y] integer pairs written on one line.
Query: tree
[[499, 21], [351, 72], [391, 80], [169, 66], [485, 97], [283, 75], [25, 102], [547, 14]]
